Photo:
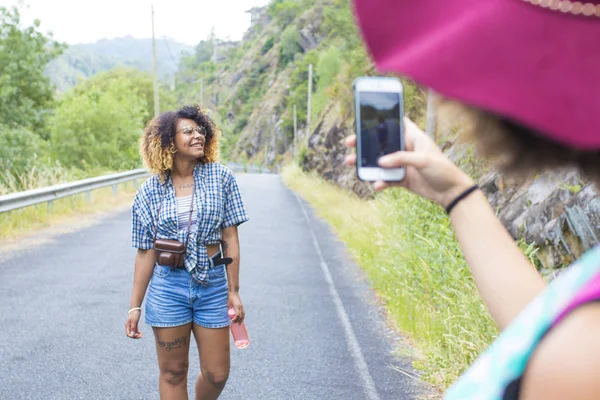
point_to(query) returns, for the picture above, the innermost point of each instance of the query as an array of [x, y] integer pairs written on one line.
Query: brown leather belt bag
[[169, 252]]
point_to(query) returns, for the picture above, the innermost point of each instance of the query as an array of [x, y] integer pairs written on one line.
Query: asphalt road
[[316, 328]]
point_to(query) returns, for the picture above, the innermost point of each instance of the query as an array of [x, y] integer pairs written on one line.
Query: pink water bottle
[[238, 331]]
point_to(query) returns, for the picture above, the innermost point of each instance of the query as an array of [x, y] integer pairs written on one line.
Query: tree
[[290, 44], [26, 95], [20, 149], [134, 81], [284, 11], [98, 124]]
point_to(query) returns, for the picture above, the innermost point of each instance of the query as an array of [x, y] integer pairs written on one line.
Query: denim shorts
[[174, 298]]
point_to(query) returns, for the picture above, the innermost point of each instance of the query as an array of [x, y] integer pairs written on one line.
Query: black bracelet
[[461, 197]]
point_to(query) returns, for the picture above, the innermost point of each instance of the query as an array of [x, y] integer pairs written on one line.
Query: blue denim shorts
[[174, 298]]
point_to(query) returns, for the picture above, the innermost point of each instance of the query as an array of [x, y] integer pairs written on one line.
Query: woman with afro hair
[[194, 200]]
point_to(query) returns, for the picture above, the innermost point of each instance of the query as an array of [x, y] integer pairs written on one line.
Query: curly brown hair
[[518, 149], [158, 138]]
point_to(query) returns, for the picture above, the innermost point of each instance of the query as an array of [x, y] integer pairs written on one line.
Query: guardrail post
[[114, 190], [88, 196], [50, 206]]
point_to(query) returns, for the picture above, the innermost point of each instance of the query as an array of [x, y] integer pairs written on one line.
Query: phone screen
[[379, 126]]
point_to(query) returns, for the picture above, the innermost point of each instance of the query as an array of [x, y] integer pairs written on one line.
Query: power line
[[169, 50]]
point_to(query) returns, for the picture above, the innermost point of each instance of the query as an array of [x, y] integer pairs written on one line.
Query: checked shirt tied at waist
[[218, 204]]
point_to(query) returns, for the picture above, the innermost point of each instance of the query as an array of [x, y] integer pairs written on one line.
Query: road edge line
[[351, 341]]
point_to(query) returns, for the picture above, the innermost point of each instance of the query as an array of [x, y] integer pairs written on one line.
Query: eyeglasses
[[188, 130]]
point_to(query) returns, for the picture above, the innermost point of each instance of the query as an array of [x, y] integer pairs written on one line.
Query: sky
[[186, 21]]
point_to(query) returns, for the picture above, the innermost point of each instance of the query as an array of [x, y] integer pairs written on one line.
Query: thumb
[[403, 158]]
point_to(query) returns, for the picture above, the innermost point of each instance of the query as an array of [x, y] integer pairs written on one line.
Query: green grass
[[408, 249]]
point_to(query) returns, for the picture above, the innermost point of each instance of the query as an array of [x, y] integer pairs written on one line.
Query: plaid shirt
[[217, 201]]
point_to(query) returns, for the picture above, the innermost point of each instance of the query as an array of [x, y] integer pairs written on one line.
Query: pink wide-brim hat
[[524, 60]]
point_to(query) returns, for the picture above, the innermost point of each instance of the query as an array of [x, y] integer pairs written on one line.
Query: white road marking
[[359, 360]]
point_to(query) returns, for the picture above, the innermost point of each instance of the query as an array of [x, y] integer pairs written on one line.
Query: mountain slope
[[85, 60]]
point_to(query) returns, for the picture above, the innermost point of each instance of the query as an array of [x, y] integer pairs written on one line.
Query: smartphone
[[379, 110]]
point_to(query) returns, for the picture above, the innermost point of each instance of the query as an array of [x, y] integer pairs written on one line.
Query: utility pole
[[295, 132], [308, 108], [431, 114], [156, 101]]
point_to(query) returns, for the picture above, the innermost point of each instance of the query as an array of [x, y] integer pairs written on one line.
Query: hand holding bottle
[[238, 331]]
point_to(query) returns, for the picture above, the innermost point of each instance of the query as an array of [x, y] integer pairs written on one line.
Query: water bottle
[[238, 331]]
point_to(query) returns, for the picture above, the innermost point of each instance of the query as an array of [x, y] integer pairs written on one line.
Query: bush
[[290, 44], [284, 11], [329, 66], [268, 45], [99, 126], [19, 149]]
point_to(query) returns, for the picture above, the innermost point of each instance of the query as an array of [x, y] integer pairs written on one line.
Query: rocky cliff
[[255, 85]]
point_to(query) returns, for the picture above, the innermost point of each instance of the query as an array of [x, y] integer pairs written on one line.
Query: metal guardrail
[[48, 194], [253, 169]]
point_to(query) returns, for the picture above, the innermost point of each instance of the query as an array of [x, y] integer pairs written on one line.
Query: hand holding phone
[[379, 110], [429, 173]]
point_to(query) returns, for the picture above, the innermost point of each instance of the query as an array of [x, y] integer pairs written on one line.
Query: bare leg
[[172, 348], [213, 347]]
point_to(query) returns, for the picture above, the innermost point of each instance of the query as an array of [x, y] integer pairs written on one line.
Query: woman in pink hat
[[529, 72]]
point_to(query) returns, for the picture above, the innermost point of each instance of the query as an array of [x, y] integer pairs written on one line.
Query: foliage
[[299, 91], [284, 11], [474, 165], [290, 44], [20, 149], [99, 124], [268, 45], [329, 66], [530, 251], [26, 95], [134, 81], [415, 264]]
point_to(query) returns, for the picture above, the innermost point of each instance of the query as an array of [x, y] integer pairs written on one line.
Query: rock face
[[261, 134], [556, 211], [311, 33], [259, 17], [326, 152]]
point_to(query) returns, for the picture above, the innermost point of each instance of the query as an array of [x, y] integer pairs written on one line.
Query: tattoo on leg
[[176, 344]]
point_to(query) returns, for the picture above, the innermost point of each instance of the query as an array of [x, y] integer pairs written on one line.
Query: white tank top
[[183, 213]]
